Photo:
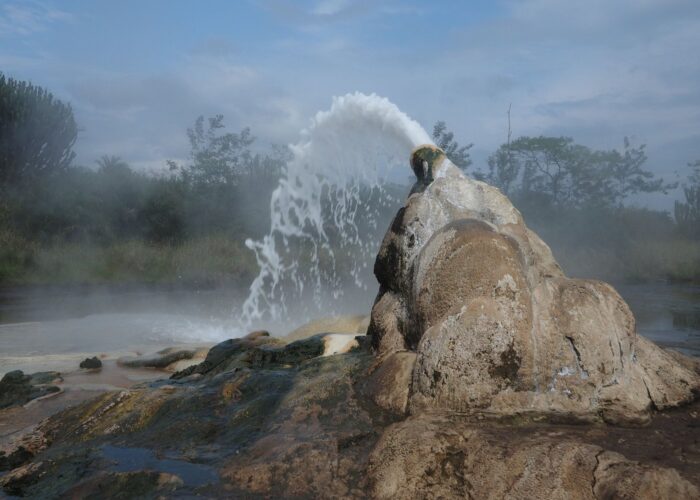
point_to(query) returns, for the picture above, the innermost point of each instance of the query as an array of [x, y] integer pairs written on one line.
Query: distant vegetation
[[65, 223], [577, 200]]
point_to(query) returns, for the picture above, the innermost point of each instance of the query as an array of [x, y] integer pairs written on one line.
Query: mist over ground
[[168, 153], [280, 248]]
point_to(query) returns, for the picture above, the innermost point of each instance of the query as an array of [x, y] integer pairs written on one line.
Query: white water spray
[[342, 161]]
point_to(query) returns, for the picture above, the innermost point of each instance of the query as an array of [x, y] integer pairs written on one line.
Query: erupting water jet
[[315, 251]]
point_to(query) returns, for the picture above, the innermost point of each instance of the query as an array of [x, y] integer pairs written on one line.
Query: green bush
[[16, 256], [214, 260]]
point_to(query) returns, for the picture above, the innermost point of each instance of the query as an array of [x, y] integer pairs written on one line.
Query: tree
[[503, 171], [162, 213], [687, 213], [226, 185], [111, 164], [121, 191], [553, 168], [557, 172], [625, 175], [445, 140], [37, 133], [217, 158]]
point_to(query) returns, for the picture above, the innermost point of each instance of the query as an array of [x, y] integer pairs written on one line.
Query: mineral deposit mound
[[484, 319]]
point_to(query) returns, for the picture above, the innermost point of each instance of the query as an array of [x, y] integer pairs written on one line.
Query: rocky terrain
[[486, 373]]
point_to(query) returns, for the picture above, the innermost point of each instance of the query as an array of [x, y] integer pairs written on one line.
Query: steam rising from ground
[[316, 247]]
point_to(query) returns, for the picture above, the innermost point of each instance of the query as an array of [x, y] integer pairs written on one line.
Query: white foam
[[352, 146]]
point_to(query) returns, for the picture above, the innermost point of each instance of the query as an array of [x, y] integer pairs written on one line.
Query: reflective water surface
[[668, 314], [49, 324]]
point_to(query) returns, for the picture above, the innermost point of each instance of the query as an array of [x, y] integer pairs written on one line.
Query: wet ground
[[75, 386], [671, 439], [56, 326], [668, 314]]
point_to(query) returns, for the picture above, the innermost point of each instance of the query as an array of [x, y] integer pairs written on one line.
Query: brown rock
[[390, 383], [496, 326], [436, 457], [617, 477], [387, 315], [257, 334]]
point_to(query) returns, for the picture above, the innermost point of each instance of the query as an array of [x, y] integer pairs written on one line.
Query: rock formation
[[492, 323], [16, 388], [482, 352], [93, 363]]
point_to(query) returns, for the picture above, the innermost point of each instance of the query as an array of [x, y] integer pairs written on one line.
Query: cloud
[[617, 66], [595, 70], [29, 17], [330, 7], [216, 47], [143, 118], [320, 12]]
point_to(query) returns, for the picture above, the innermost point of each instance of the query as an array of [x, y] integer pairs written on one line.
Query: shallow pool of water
[[62, 322], [668, 314]]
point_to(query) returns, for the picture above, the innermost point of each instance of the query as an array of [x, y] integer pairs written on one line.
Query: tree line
[[547, 175], [46, 197], [223, 188]]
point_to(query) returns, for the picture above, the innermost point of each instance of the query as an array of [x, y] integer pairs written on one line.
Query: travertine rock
[[435, 457], [389, 385], [495, 324], [275, 420], [333, 324]]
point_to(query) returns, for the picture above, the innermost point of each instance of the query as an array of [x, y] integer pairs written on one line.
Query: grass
[[16, 256], [675, 260], [220, 260], [211, 260]]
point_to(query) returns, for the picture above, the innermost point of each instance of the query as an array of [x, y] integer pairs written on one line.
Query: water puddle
[[137, 459]]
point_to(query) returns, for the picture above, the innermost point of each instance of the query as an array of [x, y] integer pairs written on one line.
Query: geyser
[[424, 159], [343, 158], [475, 315]]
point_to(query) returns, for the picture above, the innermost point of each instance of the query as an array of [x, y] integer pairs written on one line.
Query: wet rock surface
[[487, 374], [91, 363], [164, 359], [495, 324], [17, 389], [226, 428], [315, 428]]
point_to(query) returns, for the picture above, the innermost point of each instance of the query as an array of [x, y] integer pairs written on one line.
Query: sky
[[139, 72]]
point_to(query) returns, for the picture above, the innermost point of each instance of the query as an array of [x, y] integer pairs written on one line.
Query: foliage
[[503, 171], [217, 158], [64, 223], [625, 175], [224, 185], [112, 165], [224, 190], [617, 244], [208, 261], [445, 140], [556, 172], [162, 212], [687, 213], [37, 133]]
